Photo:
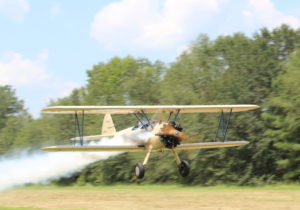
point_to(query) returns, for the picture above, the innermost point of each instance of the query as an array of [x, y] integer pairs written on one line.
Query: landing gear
[[184, 168], [183, 165], [139, 170]]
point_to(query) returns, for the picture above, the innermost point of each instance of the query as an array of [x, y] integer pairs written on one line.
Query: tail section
[[108, 126]]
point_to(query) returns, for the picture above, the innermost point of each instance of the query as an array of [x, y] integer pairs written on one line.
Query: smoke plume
[[42, 167]]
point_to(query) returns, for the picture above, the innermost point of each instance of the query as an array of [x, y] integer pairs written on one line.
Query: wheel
[[184, 168], [139, 170]]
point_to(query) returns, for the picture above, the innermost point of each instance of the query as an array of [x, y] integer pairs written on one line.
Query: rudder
[[108, 126]]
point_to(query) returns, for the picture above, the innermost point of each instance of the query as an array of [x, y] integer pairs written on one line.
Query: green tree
[[13, 116], [285, 121], [240, 70], [10, 105]]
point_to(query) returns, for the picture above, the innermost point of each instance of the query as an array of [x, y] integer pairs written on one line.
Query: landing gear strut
[[139, 168], [183, 165]]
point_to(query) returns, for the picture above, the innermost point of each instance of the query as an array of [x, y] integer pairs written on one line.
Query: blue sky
[[47, 46]]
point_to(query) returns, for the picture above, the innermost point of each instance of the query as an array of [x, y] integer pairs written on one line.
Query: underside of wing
[[207, 145], [147, 109], [94, 148]]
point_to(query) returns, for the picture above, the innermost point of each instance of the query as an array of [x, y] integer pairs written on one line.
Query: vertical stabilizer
[[108, 126]]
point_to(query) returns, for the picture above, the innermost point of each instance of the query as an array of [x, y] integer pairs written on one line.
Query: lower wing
[[94, 148], [207, 145], [141, 148]]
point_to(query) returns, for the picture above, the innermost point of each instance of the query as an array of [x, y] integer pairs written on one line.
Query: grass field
[[151, 197]]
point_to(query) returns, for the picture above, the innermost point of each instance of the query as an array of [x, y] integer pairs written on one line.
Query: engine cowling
[[171, 135]]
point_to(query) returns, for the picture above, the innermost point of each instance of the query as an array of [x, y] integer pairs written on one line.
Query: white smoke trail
[[42, 167]]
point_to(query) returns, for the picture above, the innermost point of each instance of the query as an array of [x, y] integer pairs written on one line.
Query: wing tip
[[46, 149]]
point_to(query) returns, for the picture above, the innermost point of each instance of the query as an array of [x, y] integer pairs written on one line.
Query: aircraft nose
[[171, 135]]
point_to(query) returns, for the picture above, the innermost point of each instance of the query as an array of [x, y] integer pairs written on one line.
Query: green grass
[[165, 187]]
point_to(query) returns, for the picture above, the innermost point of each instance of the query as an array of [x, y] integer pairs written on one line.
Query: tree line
[[262, 69]]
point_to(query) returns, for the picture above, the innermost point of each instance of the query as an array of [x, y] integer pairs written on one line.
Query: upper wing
[[207, 145], [147, 109], [121, 148]]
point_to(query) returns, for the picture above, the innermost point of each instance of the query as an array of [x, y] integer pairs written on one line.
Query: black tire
[[139, 170], [184, 168]]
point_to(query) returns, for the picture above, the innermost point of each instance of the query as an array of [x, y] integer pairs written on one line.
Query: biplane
[[165, 135]]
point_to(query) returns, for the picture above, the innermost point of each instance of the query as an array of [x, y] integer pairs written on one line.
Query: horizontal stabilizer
[[93, 138]]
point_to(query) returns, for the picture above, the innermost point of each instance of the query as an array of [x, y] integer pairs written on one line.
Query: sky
[[47, 46]]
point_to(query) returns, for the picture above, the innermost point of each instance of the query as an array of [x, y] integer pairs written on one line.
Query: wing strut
[[224, 127], [140, 116], [176, 115], [78, 127], [137, 117], [144, 114], [170, 116]]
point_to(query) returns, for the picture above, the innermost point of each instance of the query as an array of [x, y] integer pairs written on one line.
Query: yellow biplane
[[165, 135]]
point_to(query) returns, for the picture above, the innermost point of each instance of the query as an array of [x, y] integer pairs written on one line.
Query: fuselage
[[155, 134]]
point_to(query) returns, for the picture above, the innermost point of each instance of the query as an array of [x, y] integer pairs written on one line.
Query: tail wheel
[[184, 168], [139, 170]]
